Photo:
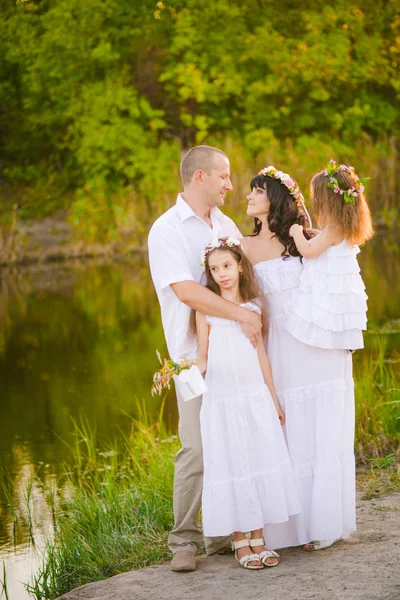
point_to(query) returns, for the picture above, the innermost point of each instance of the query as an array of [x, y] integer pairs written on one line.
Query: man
[[176, 242]]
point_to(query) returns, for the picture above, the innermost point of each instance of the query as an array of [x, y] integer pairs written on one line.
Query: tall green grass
[[377, 390], [130, 211], [120, 216], [3, 583], [114, 506], [115, 509]]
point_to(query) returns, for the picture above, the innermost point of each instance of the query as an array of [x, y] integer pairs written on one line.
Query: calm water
[[78, 340]]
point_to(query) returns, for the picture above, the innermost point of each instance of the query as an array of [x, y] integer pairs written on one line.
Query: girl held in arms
[[328, 310], [248, 479]]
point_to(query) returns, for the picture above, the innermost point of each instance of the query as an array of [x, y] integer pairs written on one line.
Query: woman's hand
[[281, 414], [294, 229]]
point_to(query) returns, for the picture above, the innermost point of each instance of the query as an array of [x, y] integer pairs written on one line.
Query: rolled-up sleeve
[[167, 257]]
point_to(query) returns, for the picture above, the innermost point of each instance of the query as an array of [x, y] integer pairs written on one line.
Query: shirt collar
[[185, 211]]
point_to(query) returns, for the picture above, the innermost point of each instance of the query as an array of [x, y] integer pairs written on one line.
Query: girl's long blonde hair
[[354, 220]]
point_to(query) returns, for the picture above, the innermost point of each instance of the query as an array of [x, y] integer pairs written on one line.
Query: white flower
[[232, 241], [218, 243]]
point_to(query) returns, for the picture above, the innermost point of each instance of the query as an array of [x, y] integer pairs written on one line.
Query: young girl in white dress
[[328, 309], [248, 479]]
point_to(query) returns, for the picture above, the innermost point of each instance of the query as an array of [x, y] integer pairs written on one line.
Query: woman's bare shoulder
[[247, 244]]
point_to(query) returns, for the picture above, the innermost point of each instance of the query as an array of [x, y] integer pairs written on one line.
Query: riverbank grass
[[377, 397], [114, 509]]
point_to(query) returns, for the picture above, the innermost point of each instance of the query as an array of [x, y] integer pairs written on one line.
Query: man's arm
[[170, 268], [205, 301]]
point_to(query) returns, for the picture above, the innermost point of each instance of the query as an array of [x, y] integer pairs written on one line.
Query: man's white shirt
[[176, 242]]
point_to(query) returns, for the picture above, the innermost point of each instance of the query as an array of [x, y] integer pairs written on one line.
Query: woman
[[314, 386]]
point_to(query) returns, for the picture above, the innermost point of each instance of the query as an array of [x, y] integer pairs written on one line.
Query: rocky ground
[[367, 567]]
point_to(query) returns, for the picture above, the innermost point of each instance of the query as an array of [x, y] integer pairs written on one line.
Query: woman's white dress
[[328, 309], [315, 389], [248, 478]]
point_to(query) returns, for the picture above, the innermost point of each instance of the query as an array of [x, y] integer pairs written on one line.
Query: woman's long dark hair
[[284, 211]]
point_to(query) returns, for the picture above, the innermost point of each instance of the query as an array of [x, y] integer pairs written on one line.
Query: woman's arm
[[328, 237], [266, 370], [202, 330]]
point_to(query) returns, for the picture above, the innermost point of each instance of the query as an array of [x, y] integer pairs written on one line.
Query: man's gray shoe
[[184, 560]]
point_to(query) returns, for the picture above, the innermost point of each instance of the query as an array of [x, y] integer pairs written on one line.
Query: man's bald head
[[199, 157]]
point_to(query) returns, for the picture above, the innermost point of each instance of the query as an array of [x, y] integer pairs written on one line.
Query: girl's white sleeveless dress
[[328, 309], [248, 478], [315, 389]]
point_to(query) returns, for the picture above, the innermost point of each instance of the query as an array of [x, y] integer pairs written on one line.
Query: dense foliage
[[103, 94]]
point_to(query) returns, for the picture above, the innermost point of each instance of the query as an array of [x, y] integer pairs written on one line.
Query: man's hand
[[251, 326]]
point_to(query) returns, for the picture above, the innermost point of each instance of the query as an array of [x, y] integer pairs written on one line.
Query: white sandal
[[265, 554], [248, 558]]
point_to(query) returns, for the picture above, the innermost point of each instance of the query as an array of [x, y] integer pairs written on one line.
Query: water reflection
[[380, 265], [78, 340]]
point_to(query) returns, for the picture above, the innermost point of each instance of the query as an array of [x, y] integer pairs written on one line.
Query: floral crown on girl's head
[[350, 195], [285, 179], [229, 242]]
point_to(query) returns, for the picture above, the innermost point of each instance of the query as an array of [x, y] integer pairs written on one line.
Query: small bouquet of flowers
[[188, 379]]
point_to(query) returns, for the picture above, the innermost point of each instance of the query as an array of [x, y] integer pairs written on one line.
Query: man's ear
[[198, 176]]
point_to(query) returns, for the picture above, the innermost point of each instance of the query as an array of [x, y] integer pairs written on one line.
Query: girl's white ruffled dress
[[316, 391], [248, 478], [329, 307]]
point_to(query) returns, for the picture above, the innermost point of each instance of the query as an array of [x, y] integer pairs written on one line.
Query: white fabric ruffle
[[328, 309], [323, 463], [248, 478], [274, 278], [319, 337]]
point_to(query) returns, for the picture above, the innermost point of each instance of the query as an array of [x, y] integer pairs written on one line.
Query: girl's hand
[[201, 363], [313, 232], [281, 414], [294, 229]]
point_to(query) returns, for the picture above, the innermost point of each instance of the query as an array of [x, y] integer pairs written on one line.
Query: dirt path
[[365, 568]]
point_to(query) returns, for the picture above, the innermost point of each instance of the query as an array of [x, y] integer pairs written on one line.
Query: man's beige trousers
[[188, 484]]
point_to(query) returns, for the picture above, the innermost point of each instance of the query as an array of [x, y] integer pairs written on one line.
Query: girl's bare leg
[[240, 552], [258, 533]]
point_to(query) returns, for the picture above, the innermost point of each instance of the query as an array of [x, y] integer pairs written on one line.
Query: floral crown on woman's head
[[229, 242], [351, 194], [285, 179]]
